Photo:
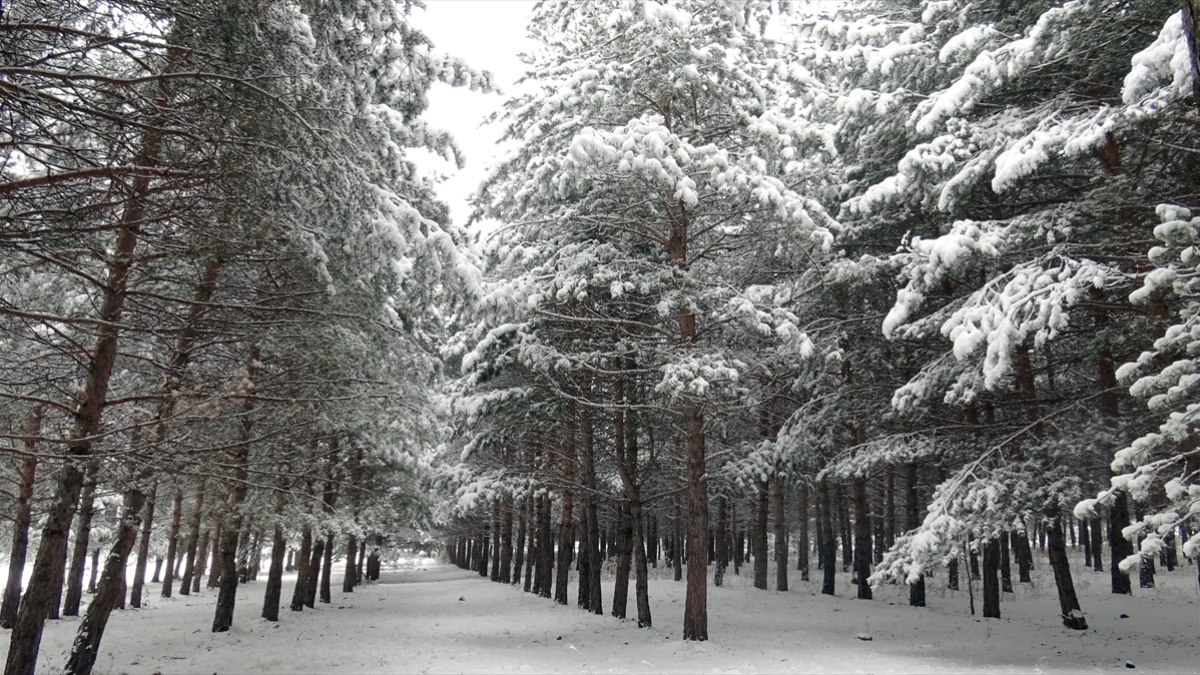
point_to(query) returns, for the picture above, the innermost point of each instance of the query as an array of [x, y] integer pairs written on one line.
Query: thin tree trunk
[[588, 479], [21, 520], [566, 533], [351, 571], [1119, 546], [111, 589], [1005, 564], [802, 544], [506, 540], [1068, 601], [624, 545], [274, 590], [912, 519], [193, 547], [519, 545], [214, 574], [83, 529], [240, 460], [828, 545], [760, 508], [991, 579], [1085, 541], [1097, 541], [781, 546], [94, 576], [173, 543], [862, 539], [327, 570], [722, 543]]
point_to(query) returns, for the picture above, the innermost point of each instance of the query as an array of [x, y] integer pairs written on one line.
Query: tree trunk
[[240, 461], [158, 565], [1085, 541], [587, 468], [173, 543], [350, 576], [94, 576], [566, 524], [1097, 541], [912, 520], [495, 574], [991, 579], [781, 545], [271, 596], [214, 574], [1191, 31], [79, 552], [303, 566], [506, 540], [327, 570], [1119, 546], [828, 545], [722, 541], [1005, 563], [112, 588], [21, 520], [802, 543], [760, 508], [189, 567], [1068, 602], [519, 544], [624, 545], [1023, 553], [862, 539]]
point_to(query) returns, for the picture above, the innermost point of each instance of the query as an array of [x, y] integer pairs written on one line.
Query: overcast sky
[[488, 34]]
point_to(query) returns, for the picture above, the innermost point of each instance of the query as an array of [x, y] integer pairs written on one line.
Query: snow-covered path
[[415, 621]]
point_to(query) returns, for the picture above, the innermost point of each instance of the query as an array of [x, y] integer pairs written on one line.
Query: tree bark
[[991, 579], [1119, 546], [239, 459], [760, 509], [862, 538], [112, 587], [1068, 602], [1005, 562], [781, 545], [21, 520], [349, 577], [271, 596], [828, 546], [624, 546], [587, 468], [327, 570], [189, 567], [566, 525], [173, 543], [1191, 31], [79, 552], [506, 540], [802, 544], [1097, 541], [912, 520], [519, 545]]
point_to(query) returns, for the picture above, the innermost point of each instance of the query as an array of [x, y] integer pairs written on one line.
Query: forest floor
[[438, 618]]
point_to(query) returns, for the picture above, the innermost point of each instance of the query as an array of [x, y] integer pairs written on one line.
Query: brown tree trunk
[[214, 574], [495, 574], [194, 546], [587, 470], [327, 570], [349, 577], [271, 596], [722, 543], [1097, 541], [862, 538], [1072, 615], [624, 545], [21, 520], [566, 532], [239, 459], [545, 554], [759, 508], [519, 544], [83, 529], [781, 545], [991, 579], [136, 589], [802, 544], [94, 576], [912, 520], [1119, 547], [1005, 563], [173, 543], [506, 540], [112, 588], [828, 544]]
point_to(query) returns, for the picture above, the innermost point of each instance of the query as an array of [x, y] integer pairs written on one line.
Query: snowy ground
[[442, 619]]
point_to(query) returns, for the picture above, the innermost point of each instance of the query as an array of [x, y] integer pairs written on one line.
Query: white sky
[[488, 34]]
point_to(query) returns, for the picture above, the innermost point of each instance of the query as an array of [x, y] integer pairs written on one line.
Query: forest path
[[443, 619]]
